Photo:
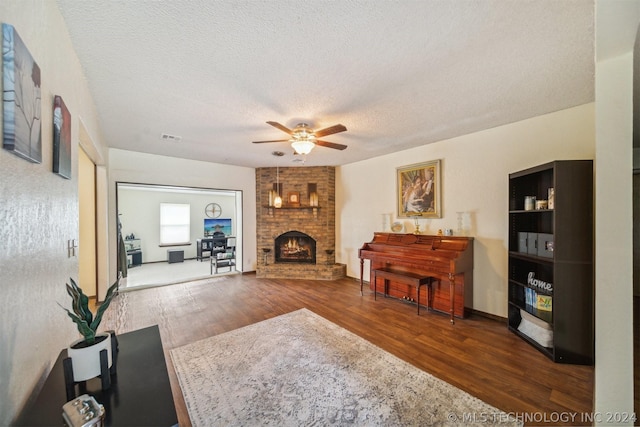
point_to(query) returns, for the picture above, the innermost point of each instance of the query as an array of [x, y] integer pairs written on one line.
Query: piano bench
[[407, 277]]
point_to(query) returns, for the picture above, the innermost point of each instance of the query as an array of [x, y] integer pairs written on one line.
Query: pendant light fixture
[[277, 201], [303, 139], [302, 146]]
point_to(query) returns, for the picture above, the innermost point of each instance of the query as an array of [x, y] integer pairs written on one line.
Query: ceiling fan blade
[[330, 144], [274, 140], [282, 128], [330, 131]]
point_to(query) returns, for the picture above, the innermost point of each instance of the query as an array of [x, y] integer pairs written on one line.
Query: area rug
[[299, 369]]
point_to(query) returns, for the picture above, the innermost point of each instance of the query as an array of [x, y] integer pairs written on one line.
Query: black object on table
[[140, 392]]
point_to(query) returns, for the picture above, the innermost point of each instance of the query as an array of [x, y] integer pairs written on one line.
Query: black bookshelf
[[551, 286]]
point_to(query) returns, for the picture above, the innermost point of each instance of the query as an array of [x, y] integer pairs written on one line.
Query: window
[[175, 223]]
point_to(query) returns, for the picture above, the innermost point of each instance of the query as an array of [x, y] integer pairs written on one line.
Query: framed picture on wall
[[293, 198], [61, 138], [418, 190], [21, 96]]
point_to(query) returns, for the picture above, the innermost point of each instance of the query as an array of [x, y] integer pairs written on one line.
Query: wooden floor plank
[[477, 354]]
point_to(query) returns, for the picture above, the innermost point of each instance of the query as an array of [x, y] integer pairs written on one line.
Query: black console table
[[140, 392], [212, 245]]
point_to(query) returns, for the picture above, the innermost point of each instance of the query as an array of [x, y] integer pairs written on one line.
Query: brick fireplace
[[297, 241]]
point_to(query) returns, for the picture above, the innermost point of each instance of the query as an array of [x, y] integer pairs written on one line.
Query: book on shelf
[[538, 304], [544, 302]]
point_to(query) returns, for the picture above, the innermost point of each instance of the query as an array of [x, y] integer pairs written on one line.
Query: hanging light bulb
[[277, 201]]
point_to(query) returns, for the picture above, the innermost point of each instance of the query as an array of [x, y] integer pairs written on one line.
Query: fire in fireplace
[[295, 247]]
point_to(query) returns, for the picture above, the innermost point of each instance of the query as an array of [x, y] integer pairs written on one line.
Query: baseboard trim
[[488, 315]]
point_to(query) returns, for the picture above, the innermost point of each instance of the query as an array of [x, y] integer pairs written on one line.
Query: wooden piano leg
[[430, 295], [452, 295], [375, 285], [361, 273]]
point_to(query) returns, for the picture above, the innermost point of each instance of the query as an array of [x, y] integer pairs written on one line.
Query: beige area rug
[[300, 369]]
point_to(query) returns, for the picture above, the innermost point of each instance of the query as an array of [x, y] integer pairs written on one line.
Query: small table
[[140, 392]]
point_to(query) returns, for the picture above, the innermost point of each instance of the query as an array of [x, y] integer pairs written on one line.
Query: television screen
[[211, 225]]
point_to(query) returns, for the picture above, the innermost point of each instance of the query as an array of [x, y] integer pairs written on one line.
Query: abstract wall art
[[21, 98]]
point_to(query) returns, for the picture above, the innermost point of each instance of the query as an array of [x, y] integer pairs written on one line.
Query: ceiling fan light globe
[[303, 146]]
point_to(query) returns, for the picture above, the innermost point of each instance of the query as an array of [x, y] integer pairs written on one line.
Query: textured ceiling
[[397, 74]]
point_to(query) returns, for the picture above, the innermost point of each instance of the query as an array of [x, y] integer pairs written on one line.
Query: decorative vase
[[386, 221], [86, 359]]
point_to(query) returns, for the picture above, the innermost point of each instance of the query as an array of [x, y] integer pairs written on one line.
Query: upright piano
[[448, 259]]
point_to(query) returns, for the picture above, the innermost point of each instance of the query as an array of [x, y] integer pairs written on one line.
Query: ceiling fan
[[303, 138]]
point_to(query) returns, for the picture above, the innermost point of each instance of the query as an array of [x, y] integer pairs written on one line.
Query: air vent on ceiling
[[172, 138]]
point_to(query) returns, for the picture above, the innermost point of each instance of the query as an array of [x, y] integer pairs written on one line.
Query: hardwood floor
[[477, 354]]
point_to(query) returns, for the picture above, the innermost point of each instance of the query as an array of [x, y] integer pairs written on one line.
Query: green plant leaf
[[80, 302], [83, 327], [111, 292], [73, 293], [83, 317]]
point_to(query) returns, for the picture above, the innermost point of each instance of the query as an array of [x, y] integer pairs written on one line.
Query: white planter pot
[[86, 361]]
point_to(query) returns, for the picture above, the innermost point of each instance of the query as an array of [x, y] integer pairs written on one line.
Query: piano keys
[[448, 259]]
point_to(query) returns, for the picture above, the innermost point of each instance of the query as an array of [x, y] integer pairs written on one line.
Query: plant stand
[[105, 371]]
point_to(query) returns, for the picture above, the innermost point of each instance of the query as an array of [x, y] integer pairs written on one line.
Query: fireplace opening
[[295, 247]]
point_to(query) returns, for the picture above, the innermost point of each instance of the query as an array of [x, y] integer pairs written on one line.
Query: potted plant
[[85, 352]]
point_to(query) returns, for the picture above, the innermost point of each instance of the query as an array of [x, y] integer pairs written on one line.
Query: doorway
[[87, 255], [139, 207]]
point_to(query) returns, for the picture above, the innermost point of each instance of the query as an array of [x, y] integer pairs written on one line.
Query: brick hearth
[[318, 222]]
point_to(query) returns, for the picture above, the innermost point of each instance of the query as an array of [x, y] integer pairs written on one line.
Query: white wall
[[475, 171], [134, 167], [139, 212], [38, 215], [617, 25]]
